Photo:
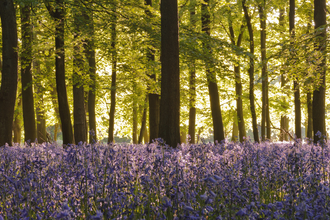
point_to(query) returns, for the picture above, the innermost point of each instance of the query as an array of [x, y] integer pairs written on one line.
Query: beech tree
[[114, 71], [251, 72], [211, 77], [79, 114], [169, 125], [319, 92], [26, 75], [57, 12], [9, 70]]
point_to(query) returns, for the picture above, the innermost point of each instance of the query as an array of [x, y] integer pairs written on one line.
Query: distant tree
[[265, 120], [9, 70], [211, 77], [26, 75], [192, 79], [154, 101], [297, 106], [320, 46], [79, 113], [17, 129], [143, 121], [284, 124], [90, 55], [57, 12], [251, 72], [238, 81], [169, 125], [114, 70]]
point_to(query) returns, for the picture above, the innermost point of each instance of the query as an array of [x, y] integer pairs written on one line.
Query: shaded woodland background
[[134, 70]]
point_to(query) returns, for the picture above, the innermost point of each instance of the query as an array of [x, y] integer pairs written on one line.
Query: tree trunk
[[239, 103], [17, 122], [114, 74], [169, 125], [143, 121], [192, 81], [90, 55], [211, 79], [284, 124], [135, 123], [319, 92], [58, 13], [26, 76], [265, 105], [9, 70], [309, 116], [238, 82], [297, 106], [154, 101], [235, 130], [146, 136], [79, 113], [251, 74], [40, 112]]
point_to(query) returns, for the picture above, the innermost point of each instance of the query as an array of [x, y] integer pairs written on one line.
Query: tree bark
[[40, 112], [17, 122], [79, 113], [26, 75], [265, 102], [9, 70], [154, 101], [192, 81], [114, 73], [169, 125], [238, 84], [58, 13], [143, 121], [235, 130], [135, 123], [296, 90], [309, 116], [319, 92], [251, 73], [284, 124], [211, 79], [90, 55]]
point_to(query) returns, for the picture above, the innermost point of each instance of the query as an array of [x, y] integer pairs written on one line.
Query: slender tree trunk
[[9, 70], [251, 73], [319, 92], [143, 121], [114, 74], [265, 102], [26, 75], [17, 122], [135, 123], [238, 82], [58, 13], [169, 125], [284, 124], [154, 101], [90, 55], [235, 130], [297, 105], [56, 110], [239, 104], [309, 116], [211, 79], [192, 80], [146, 136], [40, 112], [79, 113]]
